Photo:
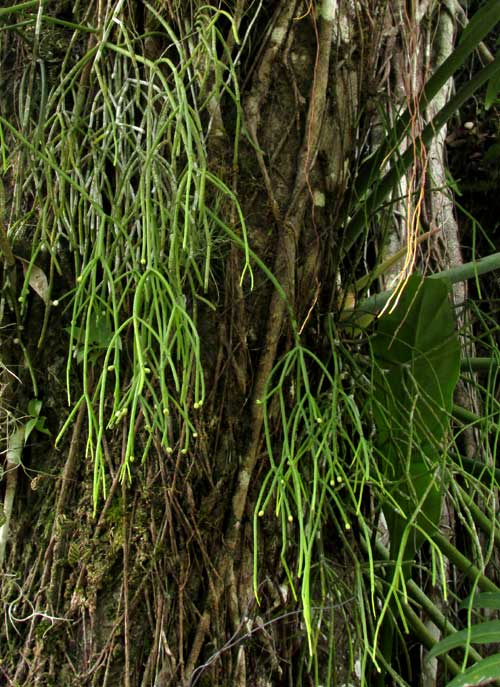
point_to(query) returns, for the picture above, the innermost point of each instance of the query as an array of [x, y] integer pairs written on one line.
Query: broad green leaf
[[417, 362], [482, 633], [36, 421], [483, 671], [34, 407], [418, 356], [29, 427], [421, 491], [100, 333], [482, 600], [492, 91], [480, 24]]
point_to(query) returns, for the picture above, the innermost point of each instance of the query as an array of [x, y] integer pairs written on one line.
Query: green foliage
[[486, 669], [492, 91], [320, 423], [417, 360], [35, 421], [483, 600], [481, 672], [482, 633], [117, 160]]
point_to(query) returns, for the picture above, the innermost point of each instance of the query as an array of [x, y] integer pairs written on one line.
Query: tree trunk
[[177, 179]]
